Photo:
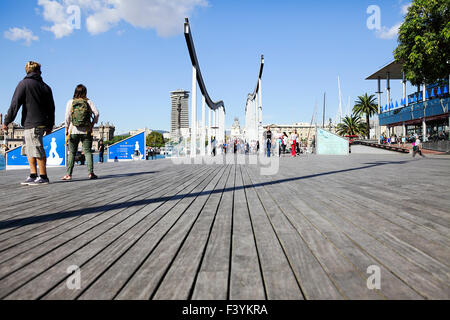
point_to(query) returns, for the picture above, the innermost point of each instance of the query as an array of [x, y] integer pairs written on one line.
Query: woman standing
[[285, 142], [294, 138], [81, 116]]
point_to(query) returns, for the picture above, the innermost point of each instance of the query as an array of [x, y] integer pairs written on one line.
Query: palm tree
[[366, 105], [351, 126]]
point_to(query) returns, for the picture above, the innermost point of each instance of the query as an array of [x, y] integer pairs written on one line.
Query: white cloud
[[17, 34], [55, 12], [388, 33], [165, 16], [405, 8]]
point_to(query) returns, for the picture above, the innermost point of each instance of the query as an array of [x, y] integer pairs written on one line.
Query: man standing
[[268, 138], [101, 151], [38, 118]]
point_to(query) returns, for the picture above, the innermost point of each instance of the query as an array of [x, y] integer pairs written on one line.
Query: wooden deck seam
[[221, 172], [86, 221], [206, 172], [93, 227]]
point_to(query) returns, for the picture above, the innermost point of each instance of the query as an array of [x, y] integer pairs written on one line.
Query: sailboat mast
[[324, 104], [340, 100]]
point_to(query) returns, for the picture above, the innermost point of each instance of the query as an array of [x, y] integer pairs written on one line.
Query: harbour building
[[423, 113]]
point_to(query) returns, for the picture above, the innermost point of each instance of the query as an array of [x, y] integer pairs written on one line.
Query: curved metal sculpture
[[253, 111], [216, 128], [252, 96], [190, 43]]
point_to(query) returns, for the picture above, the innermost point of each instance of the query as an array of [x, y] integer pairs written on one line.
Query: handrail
[[190, 43]]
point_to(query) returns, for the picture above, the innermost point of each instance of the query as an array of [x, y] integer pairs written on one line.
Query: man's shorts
[[34, 144]]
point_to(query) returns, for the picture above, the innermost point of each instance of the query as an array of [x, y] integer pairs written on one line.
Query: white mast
[[349, 109], [339, 115]]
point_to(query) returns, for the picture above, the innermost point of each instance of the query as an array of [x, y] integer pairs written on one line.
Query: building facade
[[180, 112], [236, 132], [305, 131], [16, 137]]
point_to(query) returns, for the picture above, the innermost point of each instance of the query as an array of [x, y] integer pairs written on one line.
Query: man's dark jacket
[[37, 100]]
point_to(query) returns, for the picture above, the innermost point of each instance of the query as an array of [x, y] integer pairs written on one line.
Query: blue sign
[[130, 149], [55, 150]]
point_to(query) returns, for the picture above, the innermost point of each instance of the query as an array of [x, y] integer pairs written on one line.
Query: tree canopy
[[155, 139], [366, 105], [352, 126], [424, 41]]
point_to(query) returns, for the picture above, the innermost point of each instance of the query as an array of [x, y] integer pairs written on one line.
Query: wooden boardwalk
[[156, 230]]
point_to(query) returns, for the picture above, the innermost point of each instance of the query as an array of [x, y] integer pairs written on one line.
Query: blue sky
[[130, 59]]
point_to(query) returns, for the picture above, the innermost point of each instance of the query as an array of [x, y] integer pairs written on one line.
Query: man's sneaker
[[28, 181], [39, 181]]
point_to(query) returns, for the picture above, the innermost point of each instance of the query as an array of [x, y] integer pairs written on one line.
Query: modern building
[[424, 113], [180, 112]]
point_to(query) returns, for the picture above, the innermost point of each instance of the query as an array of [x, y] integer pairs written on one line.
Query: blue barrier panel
[[331, 144], [55, 150], [130, 149]]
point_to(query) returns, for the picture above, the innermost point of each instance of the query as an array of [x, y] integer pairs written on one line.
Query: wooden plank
[[246, 281], [180, 278], [147, 276], [409, 240], [96, 267], [21, 245], [279, 278], [71, 242], [212, 279], [61, 221], [346, 276], [313, 280], [418, 279], [101, 252], [393, 287]]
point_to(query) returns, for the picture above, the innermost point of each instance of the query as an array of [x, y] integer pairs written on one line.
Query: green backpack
[[81, 113]]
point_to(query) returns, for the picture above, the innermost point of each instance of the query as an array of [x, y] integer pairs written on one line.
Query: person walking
[[38, 118], [101, 151], [214, 146], [81, 116], [294, 138], [417, 148], [268, 138], [279, 138]]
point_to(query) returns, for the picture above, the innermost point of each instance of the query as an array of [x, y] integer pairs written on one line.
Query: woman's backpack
[[81, 113]]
